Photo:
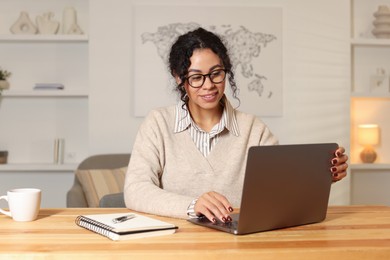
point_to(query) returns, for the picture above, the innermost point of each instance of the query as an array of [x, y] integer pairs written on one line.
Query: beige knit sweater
[[167, 171]]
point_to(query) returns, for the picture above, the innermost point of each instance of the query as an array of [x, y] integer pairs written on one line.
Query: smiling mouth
[[209, 97]]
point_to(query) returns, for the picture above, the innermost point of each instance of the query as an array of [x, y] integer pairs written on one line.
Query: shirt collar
[[183, 118]]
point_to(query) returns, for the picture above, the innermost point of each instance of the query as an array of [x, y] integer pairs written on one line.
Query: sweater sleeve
[[142, 190]]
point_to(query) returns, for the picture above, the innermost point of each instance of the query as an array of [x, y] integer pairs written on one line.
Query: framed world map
[[253, 35]]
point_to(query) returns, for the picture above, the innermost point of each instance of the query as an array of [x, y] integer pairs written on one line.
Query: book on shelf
[[125, 225], [48, 86]]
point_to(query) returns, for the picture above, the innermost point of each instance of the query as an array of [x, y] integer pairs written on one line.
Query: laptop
[[284, 186]]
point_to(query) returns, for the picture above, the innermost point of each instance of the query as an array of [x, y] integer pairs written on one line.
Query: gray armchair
[[76, 197], [113, 200]]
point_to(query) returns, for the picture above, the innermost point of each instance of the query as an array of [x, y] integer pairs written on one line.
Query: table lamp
[[368, 136]]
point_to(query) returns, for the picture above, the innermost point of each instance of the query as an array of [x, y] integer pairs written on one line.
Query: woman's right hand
[[214, 206]]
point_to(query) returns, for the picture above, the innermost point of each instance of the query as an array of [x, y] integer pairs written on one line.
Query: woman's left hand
[[339, 162]]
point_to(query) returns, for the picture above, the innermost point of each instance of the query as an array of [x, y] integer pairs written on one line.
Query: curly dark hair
[[182, 50]]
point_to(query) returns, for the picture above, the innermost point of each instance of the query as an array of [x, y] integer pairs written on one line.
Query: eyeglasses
[[197, 80]]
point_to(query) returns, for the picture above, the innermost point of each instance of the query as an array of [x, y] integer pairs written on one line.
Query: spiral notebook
[[132, 225]]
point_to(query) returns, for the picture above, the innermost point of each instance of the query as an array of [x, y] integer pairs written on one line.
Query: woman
[[190, 159]]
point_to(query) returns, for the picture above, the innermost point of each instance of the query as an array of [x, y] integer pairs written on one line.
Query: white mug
[[24, 204]]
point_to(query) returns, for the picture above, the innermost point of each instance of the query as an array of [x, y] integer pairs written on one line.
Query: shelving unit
[[368, 54], [31, 119], [369, 182]]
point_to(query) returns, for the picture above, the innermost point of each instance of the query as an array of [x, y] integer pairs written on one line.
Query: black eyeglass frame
[[209, 76]]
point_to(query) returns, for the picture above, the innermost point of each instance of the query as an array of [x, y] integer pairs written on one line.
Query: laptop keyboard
[[231, 225]]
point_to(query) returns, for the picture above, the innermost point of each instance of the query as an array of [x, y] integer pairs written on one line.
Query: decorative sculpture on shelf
[[23, 25], [379, 82], [46, 25], [382, 22], [69, 22], [4, 75]]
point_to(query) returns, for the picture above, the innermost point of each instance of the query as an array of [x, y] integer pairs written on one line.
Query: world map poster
[[253, 35]]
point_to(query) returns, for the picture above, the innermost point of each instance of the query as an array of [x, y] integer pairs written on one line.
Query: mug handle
[[8, 213]]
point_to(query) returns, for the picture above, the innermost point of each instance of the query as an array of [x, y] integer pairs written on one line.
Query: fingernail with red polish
[[223, 219], [334, 161], [230, 209], [213, 220], [230, 219], [333, 169], [335, 175]]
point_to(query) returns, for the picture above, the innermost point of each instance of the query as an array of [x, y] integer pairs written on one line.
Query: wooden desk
[[349, 232]]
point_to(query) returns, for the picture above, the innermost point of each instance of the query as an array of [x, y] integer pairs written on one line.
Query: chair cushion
[[98, 182]]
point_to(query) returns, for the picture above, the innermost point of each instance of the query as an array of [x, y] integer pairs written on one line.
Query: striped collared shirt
[[205, 141]]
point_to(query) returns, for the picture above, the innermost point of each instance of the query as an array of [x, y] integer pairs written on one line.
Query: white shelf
[[43, 38], [370, 166], [26, 167], [369, 95], [45, 93], [361, 42]]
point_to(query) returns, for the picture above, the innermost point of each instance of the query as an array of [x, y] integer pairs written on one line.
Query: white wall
[[315, 74]]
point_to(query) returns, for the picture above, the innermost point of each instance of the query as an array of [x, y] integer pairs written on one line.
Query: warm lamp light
[[368, 136]]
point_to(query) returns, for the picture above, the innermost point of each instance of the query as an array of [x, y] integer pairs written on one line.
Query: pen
[[123, 218]]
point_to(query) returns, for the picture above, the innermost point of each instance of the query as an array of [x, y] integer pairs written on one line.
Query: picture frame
[[254, 38]]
